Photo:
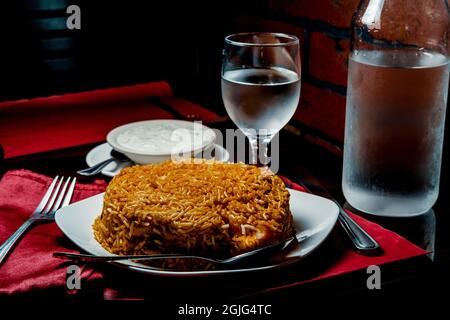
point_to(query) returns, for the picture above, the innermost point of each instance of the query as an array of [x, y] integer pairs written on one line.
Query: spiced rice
[[201, 207]]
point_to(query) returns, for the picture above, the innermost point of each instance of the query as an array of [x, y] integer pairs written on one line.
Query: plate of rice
[[200, 207]]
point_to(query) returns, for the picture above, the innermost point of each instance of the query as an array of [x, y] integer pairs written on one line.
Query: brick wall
[[324, 29]]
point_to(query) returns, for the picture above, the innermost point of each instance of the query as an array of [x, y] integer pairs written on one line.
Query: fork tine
[[60, 197], [50, 203], [69, 193], [47, 195]]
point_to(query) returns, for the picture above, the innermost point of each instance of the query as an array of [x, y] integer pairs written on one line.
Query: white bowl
[[154, 141]]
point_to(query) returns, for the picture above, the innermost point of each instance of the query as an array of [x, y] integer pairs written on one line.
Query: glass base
[[387, 214], [389, 205]]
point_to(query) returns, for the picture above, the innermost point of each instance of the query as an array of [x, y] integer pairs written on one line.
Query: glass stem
[[259, 146]]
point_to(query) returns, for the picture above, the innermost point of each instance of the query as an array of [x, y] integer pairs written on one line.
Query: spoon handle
[[361, 240], [95, 169]]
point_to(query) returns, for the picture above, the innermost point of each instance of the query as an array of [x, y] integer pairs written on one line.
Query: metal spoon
[[362, 242], [97, 168], [258, 253]]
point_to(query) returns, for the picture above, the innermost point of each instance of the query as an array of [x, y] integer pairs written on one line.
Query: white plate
[[102, 152], [314, 217]]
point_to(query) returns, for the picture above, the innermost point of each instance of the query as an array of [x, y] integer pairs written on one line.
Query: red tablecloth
[[44, 124]]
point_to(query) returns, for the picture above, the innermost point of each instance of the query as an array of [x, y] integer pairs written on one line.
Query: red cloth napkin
[[31, 265], [51, 123]]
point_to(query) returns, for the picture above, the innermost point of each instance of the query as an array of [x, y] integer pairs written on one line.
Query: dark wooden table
[[300, 159]]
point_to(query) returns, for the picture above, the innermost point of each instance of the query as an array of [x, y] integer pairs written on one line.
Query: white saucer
[[102, 152]]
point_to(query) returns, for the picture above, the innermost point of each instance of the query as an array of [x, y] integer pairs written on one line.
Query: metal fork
[[57, 196], [259, 253]]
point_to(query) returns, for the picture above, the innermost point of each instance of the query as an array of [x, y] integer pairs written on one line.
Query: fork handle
[[6, 247], [91, 258]]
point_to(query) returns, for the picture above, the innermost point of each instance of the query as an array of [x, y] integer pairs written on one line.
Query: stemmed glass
[[261, 85]]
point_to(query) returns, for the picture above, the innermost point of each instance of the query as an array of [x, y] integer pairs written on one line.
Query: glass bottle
[[396, 104]]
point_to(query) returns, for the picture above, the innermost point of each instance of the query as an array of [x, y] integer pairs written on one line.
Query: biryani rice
[[201, 207]]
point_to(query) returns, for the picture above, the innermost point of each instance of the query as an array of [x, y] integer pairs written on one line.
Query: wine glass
[[261, 85]]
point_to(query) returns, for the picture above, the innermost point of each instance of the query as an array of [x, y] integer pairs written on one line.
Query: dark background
[[120, 42]]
